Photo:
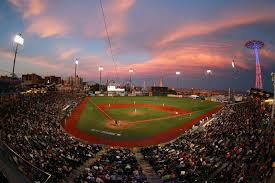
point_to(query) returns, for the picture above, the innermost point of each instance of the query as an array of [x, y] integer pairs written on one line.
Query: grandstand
[[81, 116], [237, 139]]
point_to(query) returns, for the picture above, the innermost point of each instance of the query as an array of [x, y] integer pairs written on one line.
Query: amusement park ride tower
[[256, 45]]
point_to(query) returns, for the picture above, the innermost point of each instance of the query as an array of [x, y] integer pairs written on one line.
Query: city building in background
[[73, 81], [53, 80], [31, 79]]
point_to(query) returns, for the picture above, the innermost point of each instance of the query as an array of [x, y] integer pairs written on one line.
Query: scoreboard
[[159, 91]]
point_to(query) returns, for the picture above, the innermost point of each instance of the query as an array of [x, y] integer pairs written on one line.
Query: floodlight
[[233, 64], [208, 71], [177, 73], [100, 68], [76, 62], [131, 70], [18, 39]]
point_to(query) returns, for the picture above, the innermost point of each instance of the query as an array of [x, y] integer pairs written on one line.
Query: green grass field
[[93, 118], [130, 114]]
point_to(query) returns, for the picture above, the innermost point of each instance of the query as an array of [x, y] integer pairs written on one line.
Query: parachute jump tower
[[256, 45]]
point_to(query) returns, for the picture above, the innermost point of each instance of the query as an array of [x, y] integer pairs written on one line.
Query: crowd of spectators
[[115, 166], [30, 126], [3, 178], [235, 147]]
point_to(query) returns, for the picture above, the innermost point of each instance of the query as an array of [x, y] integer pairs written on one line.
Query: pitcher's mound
[[136, 113]]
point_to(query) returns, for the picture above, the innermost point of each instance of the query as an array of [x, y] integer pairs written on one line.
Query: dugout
[[159, 91]]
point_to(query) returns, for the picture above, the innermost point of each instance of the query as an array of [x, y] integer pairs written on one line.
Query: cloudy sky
[[154, 37]]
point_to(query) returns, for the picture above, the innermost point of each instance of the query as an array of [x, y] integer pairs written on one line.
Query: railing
[[31, 172]]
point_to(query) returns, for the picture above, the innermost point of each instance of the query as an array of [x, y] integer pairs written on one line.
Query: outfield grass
[[129, 114], [92, 118]]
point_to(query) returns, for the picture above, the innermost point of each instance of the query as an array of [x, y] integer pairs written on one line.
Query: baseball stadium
[[137, 91]]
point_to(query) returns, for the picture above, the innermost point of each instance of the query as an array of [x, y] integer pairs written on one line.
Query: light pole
[[177, 73], [75, 67], [233, 65], [131, 71], [209, 73], [273, 104], [231, 94], [100, 69], [19, 41]]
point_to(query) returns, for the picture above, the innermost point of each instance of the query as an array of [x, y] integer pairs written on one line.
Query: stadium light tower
[[208, 72], [18, 40], [100, 69], [208, 75], [256, 45], [233, 64], [177, 73], [273, 104], [131, 71], [75, 67]]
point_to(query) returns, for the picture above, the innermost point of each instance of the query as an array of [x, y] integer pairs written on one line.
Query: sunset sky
[[154, 37]]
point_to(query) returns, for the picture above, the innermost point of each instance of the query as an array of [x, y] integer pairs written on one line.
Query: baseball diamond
[[136, 121]]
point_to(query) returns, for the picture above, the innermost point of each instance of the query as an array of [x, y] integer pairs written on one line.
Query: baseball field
[[135, 121]]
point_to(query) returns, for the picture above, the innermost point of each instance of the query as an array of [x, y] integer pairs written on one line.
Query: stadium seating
[[32, 129], [234, 147], [117, 165], [3, 178]]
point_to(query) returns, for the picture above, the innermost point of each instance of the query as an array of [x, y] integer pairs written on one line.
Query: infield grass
[[93, 118], [132, 114]]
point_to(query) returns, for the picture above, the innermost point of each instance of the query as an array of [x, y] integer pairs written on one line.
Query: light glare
[[18, 39], [100, 68], [233, 64]]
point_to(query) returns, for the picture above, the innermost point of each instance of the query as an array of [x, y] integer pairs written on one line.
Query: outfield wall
[[176, 96]]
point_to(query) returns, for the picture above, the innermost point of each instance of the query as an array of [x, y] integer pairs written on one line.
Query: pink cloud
[[29, 7], [202, 28], [68, 54], [16, 3], [116, 15], [57, 22], [48, 26], [38, 21], [40, 61], [191, 62], [267, 56]]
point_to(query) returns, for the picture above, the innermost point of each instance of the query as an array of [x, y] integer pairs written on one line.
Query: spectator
[[236, 147], [117, 165], [30, 125]]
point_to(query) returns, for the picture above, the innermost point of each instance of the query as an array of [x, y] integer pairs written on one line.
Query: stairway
[[77, 172], [152, 177]]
